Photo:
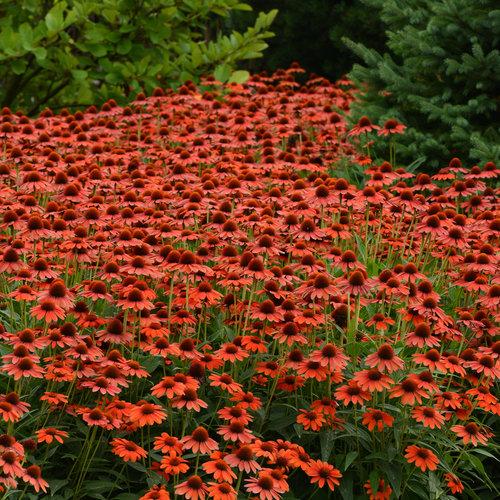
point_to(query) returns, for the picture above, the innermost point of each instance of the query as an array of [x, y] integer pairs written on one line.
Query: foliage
[[439, 76], [311, 33], [74, 52]]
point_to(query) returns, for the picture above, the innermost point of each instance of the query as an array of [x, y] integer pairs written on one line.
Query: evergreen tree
[[439, 76]]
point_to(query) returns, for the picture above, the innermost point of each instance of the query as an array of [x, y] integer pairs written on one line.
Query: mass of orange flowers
[[212, 293]]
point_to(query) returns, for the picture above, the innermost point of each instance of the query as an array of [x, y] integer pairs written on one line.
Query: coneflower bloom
[[147, 414], [199, 442], [168, 387], [352, 393], [225, 382], [189, 400], [372, 380], [48, 311], [235, 413], [363, 126], [264, 486], [156, 493], [174, 464], [25, 367], [10, 463], [330, 356], [220, 470], [33, 476], [428, 417], [236, 432], [193, 488], [421, 457], [471, 433], [383, 491], [431, 359], [485, 364], [377, 418], [167, 444], [310, 419], [322, 473], [422, 336], [385, 359], [50, 434], [243, 458], [453, 483], [409, 391], [390, 127], [19, 407], [127, 450], [221, 491]]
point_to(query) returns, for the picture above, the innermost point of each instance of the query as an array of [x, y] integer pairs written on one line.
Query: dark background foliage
[[310, 32]]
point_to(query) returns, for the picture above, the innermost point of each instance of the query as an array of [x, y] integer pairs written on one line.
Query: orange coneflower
[[421, 457], [264, 486], [48, 311], [25, 367], [310, 419], [235, 414], [48, 435], [220, 470], [165, 443], [174, 464], [352, 393], [147, 414], [127, 450], [428, 416], [225, 382], [383, 491], [156, 493], [18, 407], [485, 364], [199, 441], [422, 336], [168, 387], [243, 458], [10, 462], [385, 359], [312, 369], [222, 491], [409, 391], [454, 483], [235, 431], [471, 433], [193, 488], [372, 380], [330, 356], [377, 418], [323, 474], [95, 416], [33, 476], [190, 400]]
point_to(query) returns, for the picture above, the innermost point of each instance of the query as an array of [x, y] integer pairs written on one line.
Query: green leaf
[[54, 19], [124, 46], [222, 73], [19, 66], [327, 441], [26, 34], [349, 459], [79, 74], [239, 76], [40, 53]]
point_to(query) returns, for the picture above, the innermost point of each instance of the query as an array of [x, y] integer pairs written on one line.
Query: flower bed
[[196, 303]]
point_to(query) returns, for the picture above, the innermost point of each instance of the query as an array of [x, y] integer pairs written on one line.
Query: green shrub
[[71, 52], [440, 77]]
